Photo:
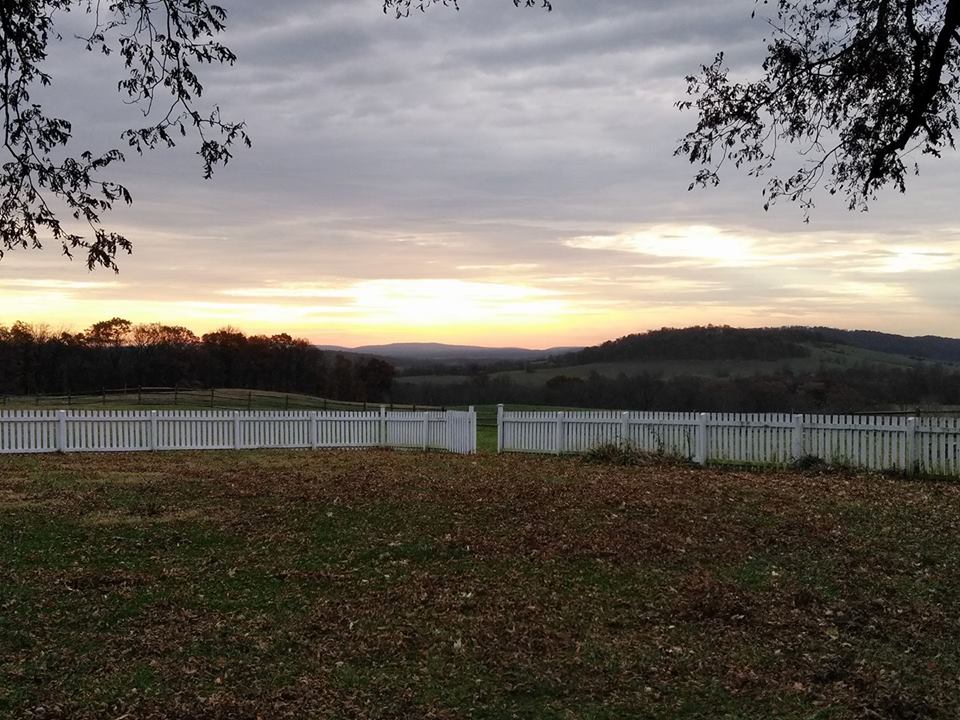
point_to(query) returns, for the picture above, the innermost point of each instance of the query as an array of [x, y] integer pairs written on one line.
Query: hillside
[[810, 357], [929, 347], [718, 369], [699, 343], [728, 352]]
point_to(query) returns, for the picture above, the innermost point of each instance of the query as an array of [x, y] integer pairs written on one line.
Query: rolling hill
[[927, 347], [731, 352]]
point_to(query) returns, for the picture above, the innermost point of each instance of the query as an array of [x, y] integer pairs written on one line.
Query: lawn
[[391, 585]]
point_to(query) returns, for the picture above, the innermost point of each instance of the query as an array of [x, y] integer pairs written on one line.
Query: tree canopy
[[50, 192], [857, 86]]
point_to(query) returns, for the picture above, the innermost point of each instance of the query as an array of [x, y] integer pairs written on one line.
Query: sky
[[493, 176]]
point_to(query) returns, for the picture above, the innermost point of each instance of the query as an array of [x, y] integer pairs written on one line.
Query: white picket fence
[[38, 431], [930, 446]]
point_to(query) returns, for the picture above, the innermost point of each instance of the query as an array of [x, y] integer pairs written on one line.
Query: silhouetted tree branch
[[402, 8], [855, 85], [51, 193]]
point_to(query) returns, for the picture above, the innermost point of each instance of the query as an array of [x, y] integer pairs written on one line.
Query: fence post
[[472, 429], [153, 430], [701, 458], [796, 445], [558, 438], [314, 429], [500, 428], [236, 429], [911, 446], [426, 429], [61, 430], [625, 428], [383, 426], [449, 439]]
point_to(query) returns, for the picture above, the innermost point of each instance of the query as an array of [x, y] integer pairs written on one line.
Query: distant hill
[[440, 352], [699, 343], [928, 347], [782, 343], [716, 369], [701, 351]]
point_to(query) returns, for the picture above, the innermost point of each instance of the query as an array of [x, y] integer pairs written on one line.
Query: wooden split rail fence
[[926, 445], [38, 431]]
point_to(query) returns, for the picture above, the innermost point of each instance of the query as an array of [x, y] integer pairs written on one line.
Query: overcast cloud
[[494, 175]]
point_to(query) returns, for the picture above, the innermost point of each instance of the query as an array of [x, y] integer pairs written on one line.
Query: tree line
[[117, 353]]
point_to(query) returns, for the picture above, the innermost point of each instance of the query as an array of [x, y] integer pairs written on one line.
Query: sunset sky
[[494, 176]]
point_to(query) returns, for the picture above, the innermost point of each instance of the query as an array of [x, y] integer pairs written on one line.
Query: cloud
[[52, 284], [436, 175]]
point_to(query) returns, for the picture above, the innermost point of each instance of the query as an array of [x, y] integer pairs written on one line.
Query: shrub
[[808, 462], [625, 453]]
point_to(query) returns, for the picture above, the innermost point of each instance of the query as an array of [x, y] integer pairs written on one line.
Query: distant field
[[218, 399], [411, 585], [835, 356]]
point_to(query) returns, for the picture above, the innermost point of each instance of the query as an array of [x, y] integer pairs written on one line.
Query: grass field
[[394, 585]]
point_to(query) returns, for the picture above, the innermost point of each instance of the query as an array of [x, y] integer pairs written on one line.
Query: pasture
[[822, 356], [383, 584]]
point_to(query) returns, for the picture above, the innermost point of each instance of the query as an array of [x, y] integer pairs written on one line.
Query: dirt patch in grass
[[13, 500], [387, 584]]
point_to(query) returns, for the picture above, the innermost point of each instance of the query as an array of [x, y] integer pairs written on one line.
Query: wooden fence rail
[[929, 445], [38, 431]]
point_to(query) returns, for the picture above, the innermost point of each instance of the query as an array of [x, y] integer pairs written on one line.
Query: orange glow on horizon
[[585, 290]]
